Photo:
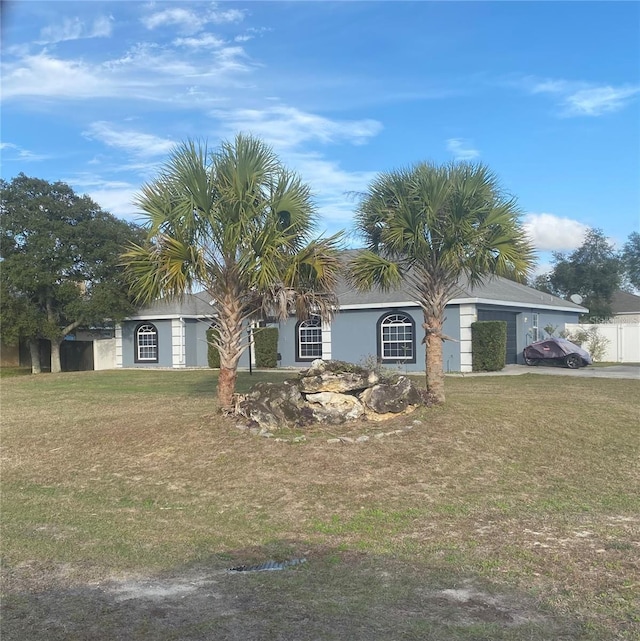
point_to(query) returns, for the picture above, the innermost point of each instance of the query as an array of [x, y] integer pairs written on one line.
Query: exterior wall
[[104, 353], [354, 339], [524, 323], [623, 341], [165, 348], [547, 318], [196, 342]]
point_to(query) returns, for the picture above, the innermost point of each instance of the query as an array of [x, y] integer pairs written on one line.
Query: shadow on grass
[[333, 595]]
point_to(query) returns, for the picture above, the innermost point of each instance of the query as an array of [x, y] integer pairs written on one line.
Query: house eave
[[152, 317], [466, 301]]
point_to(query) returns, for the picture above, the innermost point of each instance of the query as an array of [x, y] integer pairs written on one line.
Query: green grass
[[525, 488]]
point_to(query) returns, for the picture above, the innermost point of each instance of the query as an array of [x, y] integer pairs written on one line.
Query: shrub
[[489, 345], [591, 340], [213, 356], [265, 344]]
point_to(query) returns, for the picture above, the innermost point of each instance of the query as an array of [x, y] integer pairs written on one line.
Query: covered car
[[558, 350]]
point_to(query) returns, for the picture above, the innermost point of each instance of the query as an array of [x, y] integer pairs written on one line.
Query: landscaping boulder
[[329, 392], [335, 408], [283, 401], [391, 397]]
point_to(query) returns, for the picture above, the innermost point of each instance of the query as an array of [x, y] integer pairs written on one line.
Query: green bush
[[213, 356], [265, 343], [489, 345]]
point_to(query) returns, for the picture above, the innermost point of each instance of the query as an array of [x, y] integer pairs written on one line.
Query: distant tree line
[[595, 271]]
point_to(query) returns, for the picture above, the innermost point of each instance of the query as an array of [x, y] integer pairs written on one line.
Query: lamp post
[[249, 350]]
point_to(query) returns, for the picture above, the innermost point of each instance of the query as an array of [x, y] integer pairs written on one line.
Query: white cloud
[[599, 100], [19, 153], [43, 75], [584, 99], [145, 72], [287, 127], [135, 142], [462, 149], [75, 29], [548, 232], [189, 21], [205, 41], [113, 196]]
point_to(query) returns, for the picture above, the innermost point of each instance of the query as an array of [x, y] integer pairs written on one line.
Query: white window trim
[[306, 325], [154, 333], [384, 323]]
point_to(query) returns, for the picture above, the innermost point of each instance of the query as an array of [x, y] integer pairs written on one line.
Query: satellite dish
[[576, 298]]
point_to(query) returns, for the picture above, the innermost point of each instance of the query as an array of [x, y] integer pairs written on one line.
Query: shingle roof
[[625, 303], [189, 305], [496, 289]]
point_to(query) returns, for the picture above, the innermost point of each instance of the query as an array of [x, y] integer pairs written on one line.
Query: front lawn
[[511, 513]]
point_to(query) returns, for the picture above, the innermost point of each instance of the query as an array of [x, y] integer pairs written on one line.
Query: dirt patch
[[329, 597]]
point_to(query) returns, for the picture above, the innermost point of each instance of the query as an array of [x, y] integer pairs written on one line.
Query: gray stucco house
[[381, 326], [166, 334]]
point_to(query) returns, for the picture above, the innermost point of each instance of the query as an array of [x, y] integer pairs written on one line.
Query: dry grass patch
[[109, 474]]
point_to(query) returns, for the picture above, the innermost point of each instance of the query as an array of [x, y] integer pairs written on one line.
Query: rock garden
[[328, 393]]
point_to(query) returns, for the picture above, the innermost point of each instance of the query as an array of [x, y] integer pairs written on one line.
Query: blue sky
[[546, 93]]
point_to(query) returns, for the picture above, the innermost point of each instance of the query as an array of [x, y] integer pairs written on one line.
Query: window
[[309, 339], [535, 331], [146, 343], [396, 338]]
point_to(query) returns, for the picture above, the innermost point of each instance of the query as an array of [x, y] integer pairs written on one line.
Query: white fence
[[104, 353], [623, 340]]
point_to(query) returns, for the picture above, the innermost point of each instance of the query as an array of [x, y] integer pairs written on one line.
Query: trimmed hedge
[[265, 344], [489, 345], [213, 356]]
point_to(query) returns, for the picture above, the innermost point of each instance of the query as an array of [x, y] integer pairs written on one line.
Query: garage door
[[510, 318]]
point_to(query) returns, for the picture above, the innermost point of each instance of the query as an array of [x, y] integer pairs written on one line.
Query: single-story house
[[166, 334], [376, 326], [625, 308]]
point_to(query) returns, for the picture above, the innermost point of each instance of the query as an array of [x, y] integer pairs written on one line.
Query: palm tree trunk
[[34, 350], [434, 370], [229, 347], [227, 386]]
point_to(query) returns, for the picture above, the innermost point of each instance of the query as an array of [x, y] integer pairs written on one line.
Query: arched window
[[146, 340], [309, 339], [397, 338]]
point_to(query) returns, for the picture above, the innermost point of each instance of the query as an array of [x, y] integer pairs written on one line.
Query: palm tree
[[239, 224], [427, 226]]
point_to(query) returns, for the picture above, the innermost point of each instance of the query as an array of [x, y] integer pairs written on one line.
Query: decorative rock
[[336, 408], [330, 392], [395, 398], [334, 382]]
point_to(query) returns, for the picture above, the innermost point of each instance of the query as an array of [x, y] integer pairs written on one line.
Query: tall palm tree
[[427, 226], [239, 224]]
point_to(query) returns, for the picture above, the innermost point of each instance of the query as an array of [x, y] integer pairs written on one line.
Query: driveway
[[612, 371]]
